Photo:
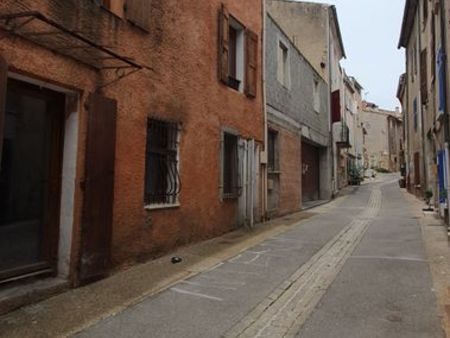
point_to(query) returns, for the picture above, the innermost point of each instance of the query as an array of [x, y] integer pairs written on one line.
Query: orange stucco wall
[[180, 83]]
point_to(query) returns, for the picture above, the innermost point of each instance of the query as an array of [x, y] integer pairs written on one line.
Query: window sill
[[161, 206], [274, 172]]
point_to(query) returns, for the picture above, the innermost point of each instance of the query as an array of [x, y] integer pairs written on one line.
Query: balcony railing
[[342, 134]]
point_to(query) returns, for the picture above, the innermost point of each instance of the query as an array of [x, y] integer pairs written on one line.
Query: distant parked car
[[370, 173]]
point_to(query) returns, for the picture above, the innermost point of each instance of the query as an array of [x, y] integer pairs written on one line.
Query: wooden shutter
[[138, 12], [423, 76], [3, 82], [224, 27], [251, 63], [335, 106], [96, 231]]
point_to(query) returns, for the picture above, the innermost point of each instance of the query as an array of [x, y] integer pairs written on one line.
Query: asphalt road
[[356, 269]]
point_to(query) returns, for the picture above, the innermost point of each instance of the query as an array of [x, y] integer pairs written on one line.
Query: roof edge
[[407, 23]]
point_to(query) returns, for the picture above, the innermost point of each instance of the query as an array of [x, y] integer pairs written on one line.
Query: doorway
[[310, 172], [30, 179]]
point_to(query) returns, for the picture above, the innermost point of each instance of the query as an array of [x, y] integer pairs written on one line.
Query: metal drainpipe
[[264, 99], [446, 117]]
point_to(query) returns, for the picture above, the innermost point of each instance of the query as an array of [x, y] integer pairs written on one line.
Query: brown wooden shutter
[[3, 82], [224, 27], [138, 12], [251, 63], [96, 231], [423, 76], [336, 106]]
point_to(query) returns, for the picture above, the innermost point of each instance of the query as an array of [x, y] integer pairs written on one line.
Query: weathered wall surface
[[297, 100], [292, 111], [286, 181], [307, 25], [377, 139], [183, 86]]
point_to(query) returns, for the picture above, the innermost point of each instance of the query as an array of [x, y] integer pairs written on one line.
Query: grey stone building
[[299, 158]]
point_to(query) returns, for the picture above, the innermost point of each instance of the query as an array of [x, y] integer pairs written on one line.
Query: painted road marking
[[196, 294]]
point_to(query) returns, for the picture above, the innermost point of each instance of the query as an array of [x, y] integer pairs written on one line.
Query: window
[[433, 48], [272, 151], [230, 169], [425, 12], [162, 180], [316, 96], [415, 59], [423, 76], [283, 64], [415, 113], [238, 55]]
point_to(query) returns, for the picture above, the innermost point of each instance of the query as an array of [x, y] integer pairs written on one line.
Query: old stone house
[[121, 135], [298, 136], [314, 29], [383, 136], [423, 92]]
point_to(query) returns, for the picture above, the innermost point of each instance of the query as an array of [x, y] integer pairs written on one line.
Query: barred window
[[272, 151], [162, 180]]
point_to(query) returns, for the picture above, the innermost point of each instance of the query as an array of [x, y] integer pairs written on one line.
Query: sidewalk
[[76, 309], [438, 252]]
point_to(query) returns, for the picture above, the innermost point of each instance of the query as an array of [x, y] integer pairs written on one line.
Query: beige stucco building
[[383, 136]]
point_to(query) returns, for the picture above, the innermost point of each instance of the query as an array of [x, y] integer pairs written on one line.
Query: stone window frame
[[285, 78]]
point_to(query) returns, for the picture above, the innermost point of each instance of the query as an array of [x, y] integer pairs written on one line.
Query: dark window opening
[[230, 166], [425, 11], [272, 160], [162, 181], [232, 67]]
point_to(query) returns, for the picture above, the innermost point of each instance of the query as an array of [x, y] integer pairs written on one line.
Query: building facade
[[383, 129], [122, 137], [298, 113], [315, 31], [423, 92]]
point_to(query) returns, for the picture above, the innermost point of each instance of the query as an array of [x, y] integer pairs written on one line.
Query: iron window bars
[[162, 179]]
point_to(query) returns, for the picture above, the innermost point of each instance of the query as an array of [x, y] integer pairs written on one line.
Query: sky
[[370, 31]]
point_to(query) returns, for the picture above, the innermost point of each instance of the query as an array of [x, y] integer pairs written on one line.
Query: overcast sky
[[371, 30]]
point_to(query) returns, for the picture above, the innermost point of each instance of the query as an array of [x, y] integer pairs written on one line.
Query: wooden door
[[96, 232]]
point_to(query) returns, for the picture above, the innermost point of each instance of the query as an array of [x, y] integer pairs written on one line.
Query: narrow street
[[356, 269]]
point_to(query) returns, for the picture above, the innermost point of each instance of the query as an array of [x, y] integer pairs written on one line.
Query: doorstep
[[16, 295]]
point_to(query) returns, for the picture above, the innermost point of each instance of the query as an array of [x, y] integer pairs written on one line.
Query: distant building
[[383, 137]]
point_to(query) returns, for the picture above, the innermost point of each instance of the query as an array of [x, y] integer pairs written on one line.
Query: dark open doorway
[[30, 179]]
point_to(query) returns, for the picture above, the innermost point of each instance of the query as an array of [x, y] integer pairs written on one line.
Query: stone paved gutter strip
[[283, 313], [78, 309]]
